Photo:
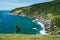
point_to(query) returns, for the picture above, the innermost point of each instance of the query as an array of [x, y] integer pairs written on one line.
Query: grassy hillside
[[40, 9], [28, 37]]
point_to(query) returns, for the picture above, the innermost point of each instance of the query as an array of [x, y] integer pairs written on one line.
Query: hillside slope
[[40, 9]]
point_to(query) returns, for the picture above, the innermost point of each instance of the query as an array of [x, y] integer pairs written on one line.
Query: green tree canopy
[[18, 28], [55, 23]]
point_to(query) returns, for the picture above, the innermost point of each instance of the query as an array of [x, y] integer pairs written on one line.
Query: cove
[[8, 24]]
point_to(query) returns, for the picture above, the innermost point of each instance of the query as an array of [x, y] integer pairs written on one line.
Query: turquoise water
[[8, 24]]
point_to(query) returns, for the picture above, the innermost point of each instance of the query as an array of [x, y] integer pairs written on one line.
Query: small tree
[[18, 28]]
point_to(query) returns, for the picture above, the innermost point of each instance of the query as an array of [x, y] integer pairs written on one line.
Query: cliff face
[[40, 9]]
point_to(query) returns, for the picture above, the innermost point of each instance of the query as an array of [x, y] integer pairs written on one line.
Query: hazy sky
[[11, 4]]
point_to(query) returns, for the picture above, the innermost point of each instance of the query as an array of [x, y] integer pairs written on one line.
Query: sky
[[12, 4]]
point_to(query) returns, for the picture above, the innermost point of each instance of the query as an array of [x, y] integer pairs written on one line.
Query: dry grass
[[28, 37]]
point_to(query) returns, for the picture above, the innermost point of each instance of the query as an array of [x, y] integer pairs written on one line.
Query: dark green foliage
[[39, 9], [18, 28], [55, 25], [57, 0]]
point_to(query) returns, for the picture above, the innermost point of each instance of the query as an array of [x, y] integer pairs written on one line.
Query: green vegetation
[[18, 28], [55, 24], [40, 9], [28, 37]]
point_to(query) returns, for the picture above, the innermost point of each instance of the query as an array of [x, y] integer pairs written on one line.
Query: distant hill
[[40, 9]]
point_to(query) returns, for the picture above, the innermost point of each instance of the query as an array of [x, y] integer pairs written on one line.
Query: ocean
[[8, 24]]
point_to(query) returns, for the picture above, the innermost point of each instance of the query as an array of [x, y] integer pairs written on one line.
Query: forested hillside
[[41, 9]]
